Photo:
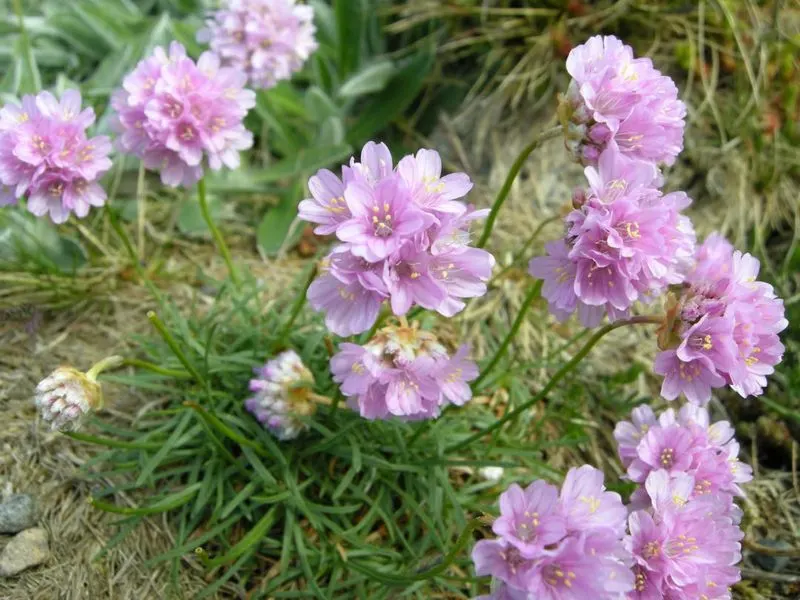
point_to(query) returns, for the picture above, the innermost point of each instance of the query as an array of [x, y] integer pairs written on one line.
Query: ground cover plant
[[337, 434]]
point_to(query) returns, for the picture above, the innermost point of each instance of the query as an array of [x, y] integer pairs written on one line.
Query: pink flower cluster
[[552, 545], [625, 242], [616, 100], [268, 40], [684, 526], [173, 113], [405, 239], [403, 372], [723, 330], [46, 156]]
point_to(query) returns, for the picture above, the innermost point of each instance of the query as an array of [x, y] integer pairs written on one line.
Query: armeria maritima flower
[[404, 237], [46, 156], [617, 100], [722, 329], [281, 395], [179, 116], [558, 545], [66, 396], [684, 442], [403, 372], [266, 39], [625, 242]]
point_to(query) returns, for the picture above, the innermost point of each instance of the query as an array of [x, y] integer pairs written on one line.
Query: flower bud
[[282, 389], [66, 396]]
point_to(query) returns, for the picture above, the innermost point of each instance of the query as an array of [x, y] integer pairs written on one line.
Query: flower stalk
[[215, 232]]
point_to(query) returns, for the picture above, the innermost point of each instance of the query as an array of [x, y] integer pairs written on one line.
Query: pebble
[[18, 512], [26, 549]]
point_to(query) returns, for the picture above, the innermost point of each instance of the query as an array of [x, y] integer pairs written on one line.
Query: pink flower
[[506, 563], [402, 372], [626, 242], [629, 434], [530, 519], [349, 308], [587, 505], [617, 100], [178, 116], [46, 155], [404, 237], [725, 330], [266, 39], [382, 219]]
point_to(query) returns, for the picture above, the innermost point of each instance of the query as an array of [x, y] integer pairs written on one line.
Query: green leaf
[[305, 161], [349, 26], [398, 95], [251, 540], [276, 224], [319, 104], [170, 502], [190, 217], [331, 133], [36, 243], [368, 80]]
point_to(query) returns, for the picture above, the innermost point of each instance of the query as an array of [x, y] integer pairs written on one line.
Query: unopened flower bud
[[282, 394], [67, 395]]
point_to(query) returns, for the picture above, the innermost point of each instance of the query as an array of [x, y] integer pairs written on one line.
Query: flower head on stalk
[[553, 545], [404, 237], [722, 329], [67, 396], [268, 40], [281, 395], [402, 372], [626, 242], [46, 156], [179, 116], [616, 100]]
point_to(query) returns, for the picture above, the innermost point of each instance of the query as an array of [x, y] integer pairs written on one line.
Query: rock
[[17, 513], [26, 549]]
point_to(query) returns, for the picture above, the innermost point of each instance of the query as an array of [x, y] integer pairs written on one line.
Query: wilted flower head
[[177, 115], [723, 329], [46, 156], [405, 239], [281, 394], [266, 39], [617, 100], [403, 372], [67, 395], [558, 545], [625, 243]]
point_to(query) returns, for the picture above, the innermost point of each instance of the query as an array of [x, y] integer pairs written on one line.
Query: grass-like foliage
[[352, 508]]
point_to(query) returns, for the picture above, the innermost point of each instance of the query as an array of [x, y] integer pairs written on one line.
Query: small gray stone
[[17, 513], [26, 549]]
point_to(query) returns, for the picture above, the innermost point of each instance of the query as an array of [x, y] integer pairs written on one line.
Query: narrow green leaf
[[386, 106], [349, 27], [275, 226], [372, 78], [170, 502], [249, 541]]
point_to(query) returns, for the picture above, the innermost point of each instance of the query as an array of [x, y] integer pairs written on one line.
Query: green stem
[[298, 303], [512, 175], [447, 561], [173, 345], [522, 252], [560, 374], [111, 362], [215, 232], [148, 366], [501, 351]]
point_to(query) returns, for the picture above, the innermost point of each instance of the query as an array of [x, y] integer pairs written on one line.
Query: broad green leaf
[[319, 105], [305, 161], [349, 29], [29, 79], [368, 80], [325, 21], [386, 106], [190, 217], [276, 224], [331, 133]]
